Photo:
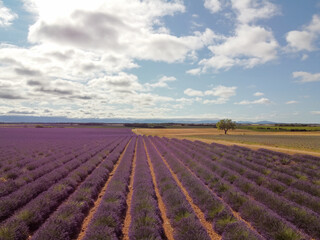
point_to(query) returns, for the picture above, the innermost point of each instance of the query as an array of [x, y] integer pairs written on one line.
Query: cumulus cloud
[[259, 101], [7, 16], [213, 5], [193, 93], [249, 11], [222, 93], [194, 71], [305, 39], [161, 83], [132, 28], [82, 50], [250, 46], [121, 81], [258, 94], [305, 77]]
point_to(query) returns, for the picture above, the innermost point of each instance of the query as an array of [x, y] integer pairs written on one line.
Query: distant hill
[[265, 122], [33, 119], [39, 119]]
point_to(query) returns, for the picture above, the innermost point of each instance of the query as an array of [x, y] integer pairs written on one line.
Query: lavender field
[[95, 184]]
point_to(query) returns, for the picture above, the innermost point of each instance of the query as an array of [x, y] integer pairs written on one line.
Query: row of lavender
[[146, 222], [272, 215], [216, 211], [107, 221], [23, 211], [183, 219]]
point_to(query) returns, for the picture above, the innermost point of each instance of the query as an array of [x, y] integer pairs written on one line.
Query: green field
[[267, 128], [302, 142]]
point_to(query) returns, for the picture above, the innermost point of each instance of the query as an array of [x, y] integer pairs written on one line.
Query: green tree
[[226, 124]]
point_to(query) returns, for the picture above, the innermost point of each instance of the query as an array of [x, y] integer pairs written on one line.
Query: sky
[[248, 60]]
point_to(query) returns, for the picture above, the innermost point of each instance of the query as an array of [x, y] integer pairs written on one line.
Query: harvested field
[[287, 142]]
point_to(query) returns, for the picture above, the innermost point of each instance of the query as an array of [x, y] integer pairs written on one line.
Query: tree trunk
[[225, 131]]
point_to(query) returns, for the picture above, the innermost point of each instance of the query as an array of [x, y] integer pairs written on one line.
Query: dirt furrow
[[96, 204], [168, 230], [127, 220], [207, 225]]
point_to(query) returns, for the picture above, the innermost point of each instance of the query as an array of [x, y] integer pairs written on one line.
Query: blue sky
[[206, 59]]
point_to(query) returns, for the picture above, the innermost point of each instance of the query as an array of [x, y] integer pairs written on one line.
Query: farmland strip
[[31, 190], [213, 235], [93, 210], [127, 219], [179, 211], [304, 219], [235, 214], [27, 219], [109, 217], [38, 169], [145, 218], [166, 223], [61, 224], [263, 176], [268, 222]]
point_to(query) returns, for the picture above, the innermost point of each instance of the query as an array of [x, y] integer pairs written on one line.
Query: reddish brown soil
[[166, 223], [96, 204], [207, 225], [127, 220]]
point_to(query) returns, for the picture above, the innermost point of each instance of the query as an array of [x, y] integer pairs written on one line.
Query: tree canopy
[[226, 124]]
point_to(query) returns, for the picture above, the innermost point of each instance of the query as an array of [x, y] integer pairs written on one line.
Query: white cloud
[[161, 83], [306, 38], [121, 81], [6, 15], [250, 46], [194, 71], [259, 101], [249, 11], [82, 50], [215, 101], [258, 94], [306, 77], [193, 93], [292, 102], [222, 93], [300, 40], [132, 28], [213, 5], [315, 112]]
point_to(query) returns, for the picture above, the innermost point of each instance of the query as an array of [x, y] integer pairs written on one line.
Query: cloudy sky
[[242, 59]]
